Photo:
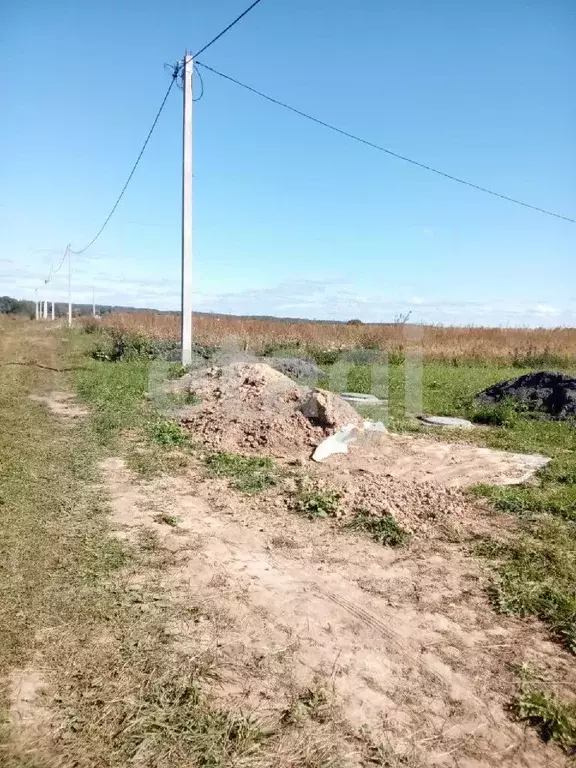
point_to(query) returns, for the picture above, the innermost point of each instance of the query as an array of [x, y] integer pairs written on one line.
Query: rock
[[550, 394], [326, 410]]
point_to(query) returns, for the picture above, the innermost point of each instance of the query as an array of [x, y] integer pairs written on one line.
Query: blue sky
[[290, 219]]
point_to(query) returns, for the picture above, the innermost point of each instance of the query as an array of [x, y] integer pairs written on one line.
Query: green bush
[[543, 359], [364, 356], [359, 379], [282, 349], [325, 356]]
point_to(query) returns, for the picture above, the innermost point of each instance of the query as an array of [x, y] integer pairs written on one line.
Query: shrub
[[365, 356], [325, 356], [282, 349], [360, 379], [118, 344]]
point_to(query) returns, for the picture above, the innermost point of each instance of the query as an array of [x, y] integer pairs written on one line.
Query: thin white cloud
[[331, 300]]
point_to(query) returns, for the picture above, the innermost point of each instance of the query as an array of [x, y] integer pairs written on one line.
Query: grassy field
[[517, 346]]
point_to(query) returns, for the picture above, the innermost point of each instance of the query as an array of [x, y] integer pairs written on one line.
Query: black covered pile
[[552, 395], [297, 368]]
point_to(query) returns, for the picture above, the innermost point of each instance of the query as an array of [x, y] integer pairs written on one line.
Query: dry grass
[[523, 345]]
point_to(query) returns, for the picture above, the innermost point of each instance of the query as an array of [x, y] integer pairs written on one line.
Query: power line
[[59, 267], [175, 72], [383, 149], [226, 29], [129, 179]]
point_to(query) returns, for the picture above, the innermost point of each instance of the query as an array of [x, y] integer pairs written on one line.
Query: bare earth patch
[[403, 639], [62, 404], [26, 707], [409, 458]]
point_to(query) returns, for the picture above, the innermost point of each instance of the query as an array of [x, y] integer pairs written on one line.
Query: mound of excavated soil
[[550, 394], [419, 506], [251, 407]]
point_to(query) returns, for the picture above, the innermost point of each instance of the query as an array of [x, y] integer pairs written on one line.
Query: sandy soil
[[427, 459], [62, 404], [404, 639]]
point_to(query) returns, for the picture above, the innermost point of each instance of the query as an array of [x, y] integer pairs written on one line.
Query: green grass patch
[[554, 719], [535, 574], [525, 500], [504, 414], [122, 414], [384, 529], [249, 474], [117, 395], [168, 434]]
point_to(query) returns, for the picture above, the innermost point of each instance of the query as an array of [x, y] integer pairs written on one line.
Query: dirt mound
[[420, 507], [251, 407], [547, 393]]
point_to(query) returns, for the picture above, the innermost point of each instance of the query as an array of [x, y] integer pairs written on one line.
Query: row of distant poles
[[45, 309]]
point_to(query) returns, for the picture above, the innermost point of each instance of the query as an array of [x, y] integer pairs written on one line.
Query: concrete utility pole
[[52, 309], [69, 285], [186, 320]]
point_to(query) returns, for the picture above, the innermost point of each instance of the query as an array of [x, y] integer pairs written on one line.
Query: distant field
[[521, 347]]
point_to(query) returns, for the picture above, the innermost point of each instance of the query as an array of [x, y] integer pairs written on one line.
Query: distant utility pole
[[52, 309], [93, 303], [69, 285], [186, 320]]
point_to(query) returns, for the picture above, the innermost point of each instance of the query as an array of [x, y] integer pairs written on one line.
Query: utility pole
[[45, 311], [52, 309], [186, 320], [93, 303], [69, 285]]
